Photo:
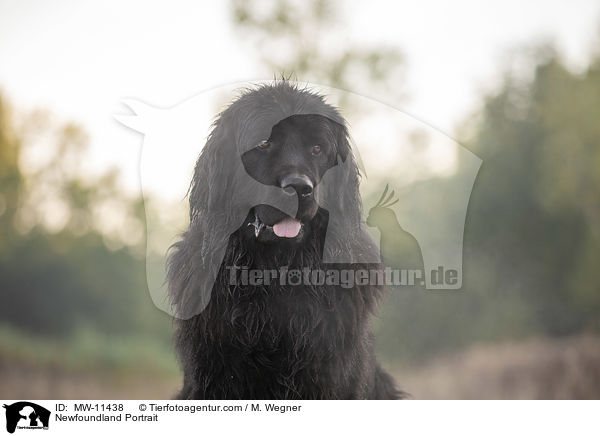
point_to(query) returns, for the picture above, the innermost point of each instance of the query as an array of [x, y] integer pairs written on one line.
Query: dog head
[[275, 184], [281, 137]]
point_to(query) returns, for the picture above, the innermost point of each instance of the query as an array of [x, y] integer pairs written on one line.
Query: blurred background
[[516, 84]]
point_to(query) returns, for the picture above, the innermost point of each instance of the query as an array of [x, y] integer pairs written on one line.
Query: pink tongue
[[287, 228]]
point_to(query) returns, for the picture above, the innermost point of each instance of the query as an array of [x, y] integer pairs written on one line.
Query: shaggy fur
[[271, 342]]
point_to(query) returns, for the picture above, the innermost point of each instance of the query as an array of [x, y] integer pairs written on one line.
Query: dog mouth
[[286, 228]]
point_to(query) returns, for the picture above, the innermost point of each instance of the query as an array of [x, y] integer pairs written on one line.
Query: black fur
[[271, 342]]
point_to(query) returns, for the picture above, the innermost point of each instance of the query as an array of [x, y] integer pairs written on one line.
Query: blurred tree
[[10, 177], [70, 243], [531, 245], [535, 208], [302, 40]]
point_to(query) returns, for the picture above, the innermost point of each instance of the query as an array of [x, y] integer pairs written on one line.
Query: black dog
[[273, 339]]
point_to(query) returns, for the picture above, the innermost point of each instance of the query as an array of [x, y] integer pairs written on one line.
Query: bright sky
[[79, 58]]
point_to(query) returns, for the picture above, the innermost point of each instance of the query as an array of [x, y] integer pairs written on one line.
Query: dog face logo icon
[[26, 415]]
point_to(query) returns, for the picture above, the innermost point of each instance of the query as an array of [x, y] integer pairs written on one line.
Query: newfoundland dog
[[259, 279]]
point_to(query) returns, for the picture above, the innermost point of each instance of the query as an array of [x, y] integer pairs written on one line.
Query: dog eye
[[316, 149], [264, 144]]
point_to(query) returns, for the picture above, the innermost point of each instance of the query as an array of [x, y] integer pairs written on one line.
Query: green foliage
[[64, 268], [539, 192], [10, 175], [531, 246], [87, 350]]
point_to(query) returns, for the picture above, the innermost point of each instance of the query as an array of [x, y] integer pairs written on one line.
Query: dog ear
[[194, 260], [347, 241], [340, 136], [207, 190]]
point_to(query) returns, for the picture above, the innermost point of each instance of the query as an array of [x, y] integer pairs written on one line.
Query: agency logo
[[281, 167], [24, 415]]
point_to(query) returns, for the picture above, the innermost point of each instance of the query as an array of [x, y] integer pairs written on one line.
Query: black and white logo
[[26, 415]]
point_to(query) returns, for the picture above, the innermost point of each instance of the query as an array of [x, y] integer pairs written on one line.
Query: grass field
[[536, 369]]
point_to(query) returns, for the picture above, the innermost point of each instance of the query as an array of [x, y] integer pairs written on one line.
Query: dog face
[[295, 156], [237, 176]]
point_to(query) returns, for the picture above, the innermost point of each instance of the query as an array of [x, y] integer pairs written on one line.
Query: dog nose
[[297, 183]]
